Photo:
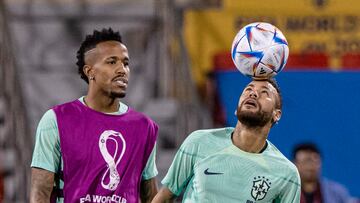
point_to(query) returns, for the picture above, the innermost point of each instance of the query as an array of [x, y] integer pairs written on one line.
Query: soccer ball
[[259, 50]]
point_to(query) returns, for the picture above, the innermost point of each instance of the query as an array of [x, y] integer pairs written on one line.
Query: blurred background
[[182, 75]]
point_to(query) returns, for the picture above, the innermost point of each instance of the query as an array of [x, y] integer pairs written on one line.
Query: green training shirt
[[211, 169], [47, 152]]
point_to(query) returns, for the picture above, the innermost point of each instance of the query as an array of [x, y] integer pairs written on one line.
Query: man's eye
[[126, 63], [111, 62]]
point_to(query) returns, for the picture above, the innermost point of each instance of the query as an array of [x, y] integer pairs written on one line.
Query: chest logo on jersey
[[207, 172], [112, 146], [260, 188]]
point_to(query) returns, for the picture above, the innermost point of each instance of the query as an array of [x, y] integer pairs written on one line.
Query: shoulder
[[142, 122], [283, 162], [333, 186], [48, 125], [48, 115], [199, 136], [334, 190], [141, 117], [48, 119], [66, 106], [207, 141]]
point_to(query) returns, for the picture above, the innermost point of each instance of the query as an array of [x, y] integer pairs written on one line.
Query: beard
[[117, 94], [253, 119]]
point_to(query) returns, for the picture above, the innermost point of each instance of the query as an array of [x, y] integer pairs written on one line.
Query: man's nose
[[120, 68], [253, 94]]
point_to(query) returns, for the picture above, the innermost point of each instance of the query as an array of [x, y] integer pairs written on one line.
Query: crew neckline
[[262, 151], [123, 108]]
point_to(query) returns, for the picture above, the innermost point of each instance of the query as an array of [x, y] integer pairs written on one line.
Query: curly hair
[[90, 42]]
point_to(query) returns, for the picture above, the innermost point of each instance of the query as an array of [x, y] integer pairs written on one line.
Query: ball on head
[[260, 50]]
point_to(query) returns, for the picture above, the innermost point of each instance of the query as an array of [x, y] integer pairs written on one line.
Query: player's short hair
[[90, 42], [274, 83], [306, 146]]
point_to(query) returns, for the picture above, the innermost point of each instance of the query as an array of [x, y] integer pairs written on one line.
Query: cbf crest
[[260, 188]]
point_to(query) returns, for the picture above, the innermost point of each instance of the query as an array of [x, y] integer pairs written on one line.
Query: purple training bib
[[103, 155]]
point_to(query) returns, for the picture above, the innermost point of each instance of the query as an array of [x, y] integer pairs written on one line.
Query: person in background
[[314, 188]]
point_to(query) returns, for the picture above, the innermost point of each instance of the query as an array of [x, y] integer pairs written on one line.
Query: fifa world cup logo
[[111, 160]]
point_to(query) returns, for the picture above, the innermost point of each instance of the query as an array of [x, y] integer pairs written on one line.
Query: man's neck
[[102, 103], [309, 186], [251, 140]]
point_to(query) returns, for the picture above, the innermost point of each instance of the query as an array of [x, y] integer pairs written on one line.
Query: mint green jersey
[[211, 169]]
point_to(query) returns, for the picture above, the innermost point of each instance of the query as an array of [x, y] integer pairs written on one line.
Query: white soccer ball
[[259, 50]]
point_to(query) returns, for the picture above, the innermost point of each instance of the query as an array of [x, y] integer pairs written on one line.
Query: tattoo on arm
[[42, 183], [148, 190]]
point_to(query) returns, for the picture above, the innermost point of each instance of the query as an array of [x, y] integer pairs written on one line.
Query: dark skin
[[148, 190], [107, 68], [42, 182]]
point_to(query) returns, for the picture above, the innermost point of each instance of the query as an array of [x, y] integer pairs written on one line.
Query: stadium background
[[180, 62]]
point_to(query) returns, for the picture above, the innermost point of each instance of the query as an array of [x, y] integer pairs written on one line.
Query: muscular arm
[[148, 190], [42, 182], [164, 196]]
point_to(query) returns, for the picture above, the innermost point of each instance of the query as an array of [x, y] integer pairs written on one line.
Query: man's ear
[[88, 71], [277, 115]]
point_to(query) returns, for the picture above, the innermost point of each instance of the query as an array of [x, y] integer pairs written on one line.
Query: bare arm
[[148, 190], [164, 196], [42, 183]]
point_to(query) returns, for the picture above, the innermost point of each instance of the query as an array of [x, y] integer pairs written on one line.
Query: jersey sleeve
[[292, 191], [182, 167], [150, 170], [46, 153]]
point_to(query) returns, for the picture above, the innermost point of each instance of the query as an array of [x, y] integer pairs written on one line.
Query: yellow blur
[[328, 26]]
